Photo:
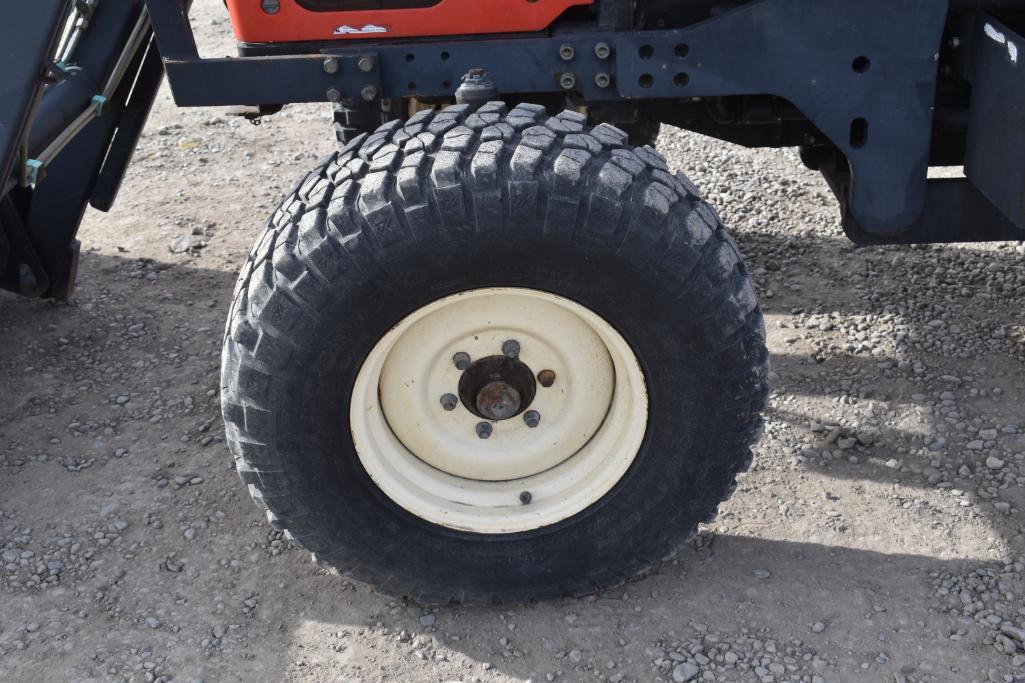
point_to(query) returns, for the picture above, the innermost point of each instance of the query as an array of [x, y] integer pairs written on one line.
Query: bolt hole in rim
[[567, 447]]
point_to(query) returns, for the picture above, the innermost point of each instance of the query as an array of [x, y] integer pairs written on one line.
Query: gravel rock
[[994, 463], [685, 671]]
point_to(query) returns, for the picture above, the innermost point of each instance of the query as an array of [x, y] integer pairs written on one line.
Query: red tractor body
[[319, 20]]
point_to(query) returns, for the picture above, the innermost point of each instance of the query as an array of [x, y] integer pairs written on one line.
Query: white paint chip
[[999, 37]]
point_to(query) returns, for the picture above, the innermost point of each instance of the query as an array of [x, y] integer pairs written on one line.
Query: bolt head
[[526, 497], [366, 64], [602, 50], [449, 401], [461, 360], [567, 52], [602, 79], [568, 81], [511, 348], [334, 95], [368, 93], [483, 430], [331, 65], [546, 378], [532, 418]]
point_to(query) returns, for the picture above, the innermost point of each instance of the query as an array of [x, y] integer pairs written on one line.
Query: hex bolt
[[546, 378], [331, 65], [461, 360], [368, 93], [366, 64], [532, 418], [449, 401], [602, 79], [567, 52], [334, 95], [526, 497], [602, 50], [567, 81], [483, 430], [511, 348]]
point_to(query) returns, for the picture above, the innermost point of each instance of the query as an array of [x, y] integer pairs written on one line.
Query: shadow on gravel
[[929, 343], [808, 599]]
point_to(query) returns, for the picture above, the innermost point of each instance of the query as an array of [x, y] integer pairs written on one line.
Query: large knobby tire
[[455, 202]]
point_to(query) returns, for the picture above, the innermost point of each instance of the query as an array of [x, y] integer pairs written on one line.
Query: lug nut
[[449, 401], [602, 79], [483, 430], [511, 348], [546, 378], [567, 52], [461, 360], [334, 95], [368, 93], [526, 497], [532, 418], [602, 50], [331, 65], [567, 81], [366, 64]]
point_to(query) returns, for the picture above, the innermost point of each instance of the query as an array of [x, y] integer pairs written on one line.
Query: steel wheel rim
[[429, 458]]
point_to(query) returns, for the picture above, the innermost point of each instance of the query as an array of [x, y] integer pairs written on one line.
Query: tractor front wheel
[[493, 356]]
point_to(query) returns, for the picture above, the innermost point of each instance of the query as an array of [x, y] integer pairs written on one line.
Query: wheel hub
[[497, 387], [433, 407], [498, 401]]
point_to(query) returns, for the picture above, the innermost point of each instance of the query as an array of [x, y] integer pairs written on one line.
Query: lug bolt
[[511, 348], [449, 401], [532, 418], [567, 81], [368, 93], [461, 360], [330, 65], [546, 378], [602, 79], [483, 430], [525, 497], [334, 95], [602, 50], [567, 52], [366, 64]]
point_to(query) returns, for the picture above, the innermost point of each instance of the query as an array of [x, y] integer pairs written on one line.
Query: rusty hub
[[497, 387], [498, 400]]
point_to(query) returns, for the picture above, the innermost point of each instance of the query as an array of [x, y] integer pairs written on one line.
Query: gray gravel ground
[[878, 537]]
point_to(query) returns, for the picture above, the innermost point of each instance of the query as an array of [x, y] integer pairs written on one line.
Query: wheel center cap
[[498, 400], [497, 387]]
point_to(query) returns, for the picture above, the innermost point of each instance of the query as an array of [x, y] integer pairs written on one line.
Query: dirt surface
[[878, 537]]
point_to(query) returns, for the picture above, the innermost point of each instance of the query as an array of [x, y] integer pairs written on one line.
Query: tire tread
[[479, 171]]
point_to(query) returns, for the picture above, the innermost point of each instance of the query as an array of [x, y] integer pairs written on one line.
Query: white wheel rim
[[432, 462]]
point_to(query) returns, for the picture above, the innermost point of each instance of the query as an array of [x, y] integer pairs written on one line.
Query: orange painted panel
[[449, 17]]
